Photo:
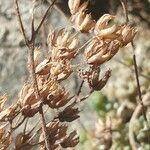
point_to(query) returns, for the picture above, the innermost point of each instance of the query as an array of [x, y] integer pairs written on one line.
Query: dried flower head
[[99, 51], [3, 99], [63, 43], [73, 5], [103, 31], [102, 23], [83, 21], [27, 95], [104, 133], [92, 77], [69, 114], [128, 33], [30, 110], [44, 67], [71, 141], [57, 133], [10, 113], [5, 139], [61, 70], [57, 97], [22, 140]]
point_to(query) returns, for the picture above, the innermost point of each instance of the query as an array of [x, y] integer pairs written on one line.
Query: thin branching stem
[[37, 93], [19, 124], [20, 22], [125, 8], [44, 17], [31, 46], [141, 104], [128, 66]]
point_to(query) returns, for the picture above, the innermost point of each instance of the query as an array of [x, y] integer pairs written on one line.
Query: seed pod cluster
[[108, 40], [83, 21], [64, 46]]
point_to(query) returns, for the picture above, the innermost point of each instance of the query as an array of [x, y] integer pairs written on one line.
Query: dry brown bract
[[83, 21]]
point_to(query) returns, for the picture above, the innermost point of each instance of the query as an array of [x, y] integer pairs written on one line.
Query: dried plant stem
[[138, 86], [31, 46], [124, 5], [60, 11], [125, 9], [128, 66], [141, 104], [20, 22], [37, 94], [19, 124], [80, 88]]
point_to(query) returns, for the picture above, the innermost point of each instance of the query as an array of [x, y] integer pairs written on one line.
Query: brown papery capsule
[[128, 33], [84, 22], [73, 5], [103, 22]]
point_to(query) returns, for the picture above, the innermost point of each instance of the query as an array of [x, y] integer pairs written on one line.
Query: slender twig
[[37, 93], [60, 11], [45, 15], [79, 90], [31, 46], [141, 104], [125, 9], [25, 126], [20, 22], [128, 66], [19, 124], [85, 44]]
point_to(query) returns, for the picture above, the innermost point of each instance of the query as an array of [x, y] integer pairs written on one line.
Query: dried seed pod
[[73, 5], [102, 23], [21, 141], [96, 52], [43, 68], [109, 33], [83, 22], [64, 44], [5, 139], [69, 114], [99, 51], [102, 82], [30, 110], [58, 96], [37, 56], [3, 99], [56, 133], [103, 31], [10, 113], [27, 95], [61, 69], [71, 141], [128, 33], [92, 77]]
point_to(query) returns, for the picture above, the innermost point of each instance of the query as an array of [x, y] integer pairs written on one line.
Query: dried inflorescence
[[4, 138], [108, 40], [83, 21], [92, 77], [104, 130], [57, 67]]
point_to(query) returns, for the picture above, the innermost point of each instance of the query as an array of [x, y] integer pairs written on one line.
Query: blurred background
[[114, 105]]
